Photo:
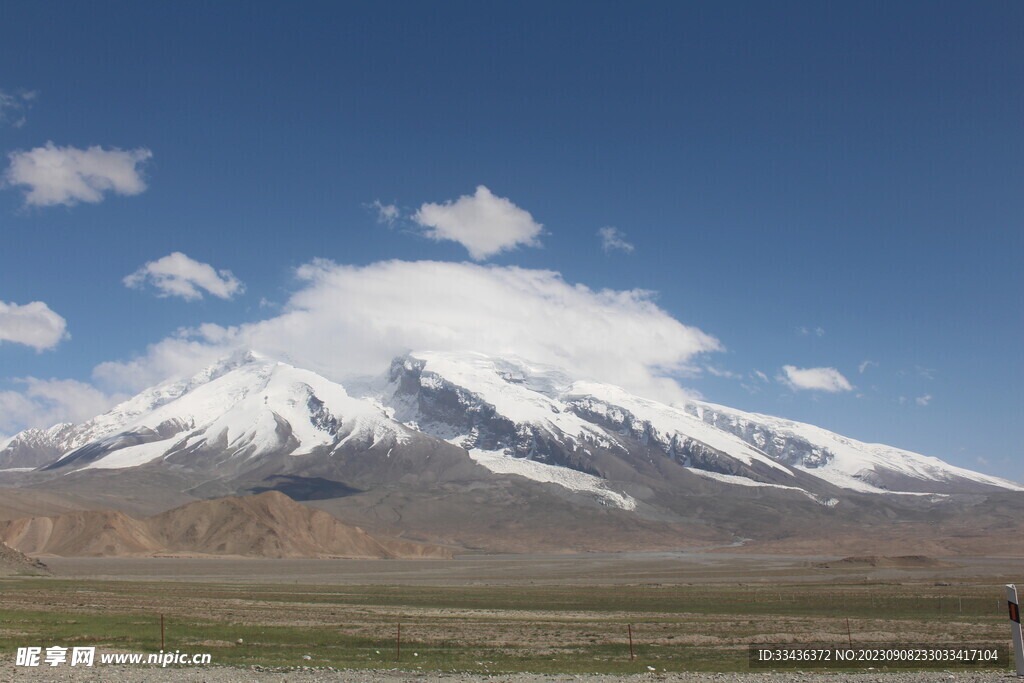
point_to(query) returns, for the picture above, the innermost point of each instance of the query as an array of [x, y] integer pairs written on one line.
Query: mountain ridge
[[453, 444]]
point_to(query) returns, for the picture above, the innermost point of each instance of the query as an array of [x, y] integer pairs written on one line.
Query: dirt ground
[[682, 567], [480, 615]]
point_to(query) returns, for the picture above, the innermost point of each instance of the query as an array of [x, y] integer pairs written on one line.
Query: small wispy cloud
[[754, 381], [717, 372], [15, 105], [483, 223], [815, 379], [862, 368], [178, 275], [387, 214], [923, 400], [54, 175], [808, 331], [613, 239]]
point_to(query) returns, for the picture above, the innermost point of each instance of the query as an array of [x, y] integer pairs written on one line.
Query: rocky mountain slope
[[265, 525], [16, 563]]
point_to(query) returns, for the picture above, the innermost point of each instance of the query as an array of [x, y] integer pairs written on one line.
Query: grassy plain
[[493, 628]]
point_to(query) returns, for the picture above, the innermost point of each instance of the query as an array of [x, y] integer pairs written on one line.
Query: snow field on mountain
[[498, 462], [744, 481], [133, 456]]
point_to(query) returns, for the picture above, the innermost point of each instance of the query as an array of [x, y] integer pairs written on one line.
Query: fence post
[[1015, 635]]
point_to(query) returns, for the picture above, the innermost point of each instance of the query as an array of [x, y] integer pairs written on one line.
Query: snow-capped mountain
[[461, 445], [236, 410], [489, 405], [35, 447]]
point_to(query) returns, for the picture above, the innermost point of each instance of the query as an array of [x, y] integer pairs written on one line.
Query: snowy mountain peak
[[241, 407]]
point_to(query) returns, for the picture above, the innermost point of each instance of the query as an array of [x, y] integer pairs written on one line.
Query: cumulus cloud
[[33, 324], [46, 402], [13, 106], [815, 379], [387, 214], [483, 223], [614, 239], [348, 320], [66, 175], [178, 275]]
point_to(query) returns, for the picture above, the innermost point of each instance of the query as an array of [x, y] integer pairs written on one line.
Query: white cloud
[[67, 175], [718, 372], [33, 324], [761, 376], [178, 275], [13, 106], [45, 403], [862, 368], [387, 214], [613, 238], [350, 320], [923, 400], [806, 331], [815, 379], [482, 223], [180, 355]]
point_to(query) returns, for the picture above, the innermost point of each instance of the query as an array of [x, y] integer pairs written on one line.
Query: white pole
[[1018, 644]]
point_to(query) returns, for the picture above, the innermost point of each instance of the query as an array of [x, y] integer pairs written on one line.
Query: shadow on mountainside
[[305, 488]]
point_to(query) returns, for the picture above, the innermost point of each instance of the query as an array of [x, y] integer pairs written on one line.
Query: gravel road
[[218, 674]]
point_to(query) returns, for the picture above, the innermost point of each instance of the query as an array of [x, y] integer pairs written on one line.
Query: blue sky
[[813, 185]]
